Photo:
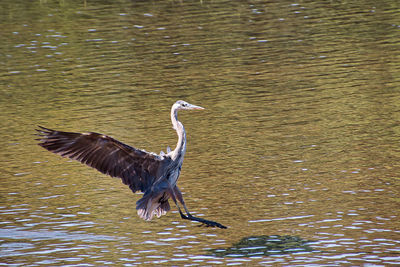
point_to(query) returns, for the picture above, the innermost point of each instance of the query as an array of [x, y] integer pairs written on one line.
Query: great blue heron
[[154, 175]]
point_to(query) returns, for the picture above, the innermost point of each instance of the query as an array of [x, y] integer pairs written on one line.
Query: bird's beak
[[195, 107]]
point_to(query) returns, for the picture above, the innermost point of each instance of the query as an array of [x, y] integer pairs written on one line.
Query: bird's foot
[[204, 221]]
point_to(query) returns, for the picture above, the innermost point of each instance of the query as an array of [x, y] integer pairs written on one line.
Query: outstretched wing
[[137, 168]]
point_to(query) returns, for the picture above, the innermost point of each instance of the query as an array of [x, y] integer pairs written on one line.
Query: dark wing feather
[[137, 168]]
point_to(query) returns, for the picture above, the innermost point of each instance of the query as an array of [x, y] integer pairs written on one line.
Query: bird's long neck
[[180, 149]]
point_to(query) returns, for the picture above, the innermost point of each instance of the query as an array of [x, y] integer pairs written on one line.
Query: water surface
[[298, 142]]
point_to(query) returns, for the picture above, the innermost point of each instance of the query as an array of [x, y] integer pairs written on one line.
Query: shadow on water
[[264, 245]]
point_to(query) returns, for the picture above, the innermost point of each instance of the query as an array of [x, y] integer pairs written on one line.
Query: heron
[[153, 174]]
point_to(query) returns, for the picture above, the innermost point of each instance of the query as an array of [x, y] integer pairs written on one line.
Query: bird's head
[[182, 105]]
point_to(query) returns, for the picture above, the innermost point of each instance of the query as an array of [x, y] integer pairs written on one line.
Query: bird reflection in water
[[264, 245]]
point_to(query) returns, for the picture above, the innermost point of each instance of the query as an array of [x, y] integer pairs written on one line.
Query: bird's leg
[[177, 205], [177, 194]]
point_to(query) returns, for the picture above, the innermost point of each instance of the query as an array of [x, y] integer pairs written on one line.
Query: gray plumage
[[154, 175]]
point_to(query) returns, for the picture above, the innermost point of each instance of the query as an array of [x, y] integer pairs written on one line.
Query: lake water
[[297, 151]]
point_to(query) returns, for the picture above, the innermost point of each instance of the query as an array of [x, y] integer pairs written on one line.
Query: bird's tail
[[152, 204]]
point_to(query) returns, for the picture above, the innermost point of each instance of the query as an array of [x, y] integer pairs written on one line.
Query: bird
[[153, 174]]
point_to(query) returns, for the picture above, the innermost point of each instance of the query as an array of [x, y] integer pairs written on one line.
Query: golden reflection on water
[[298, 137]]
